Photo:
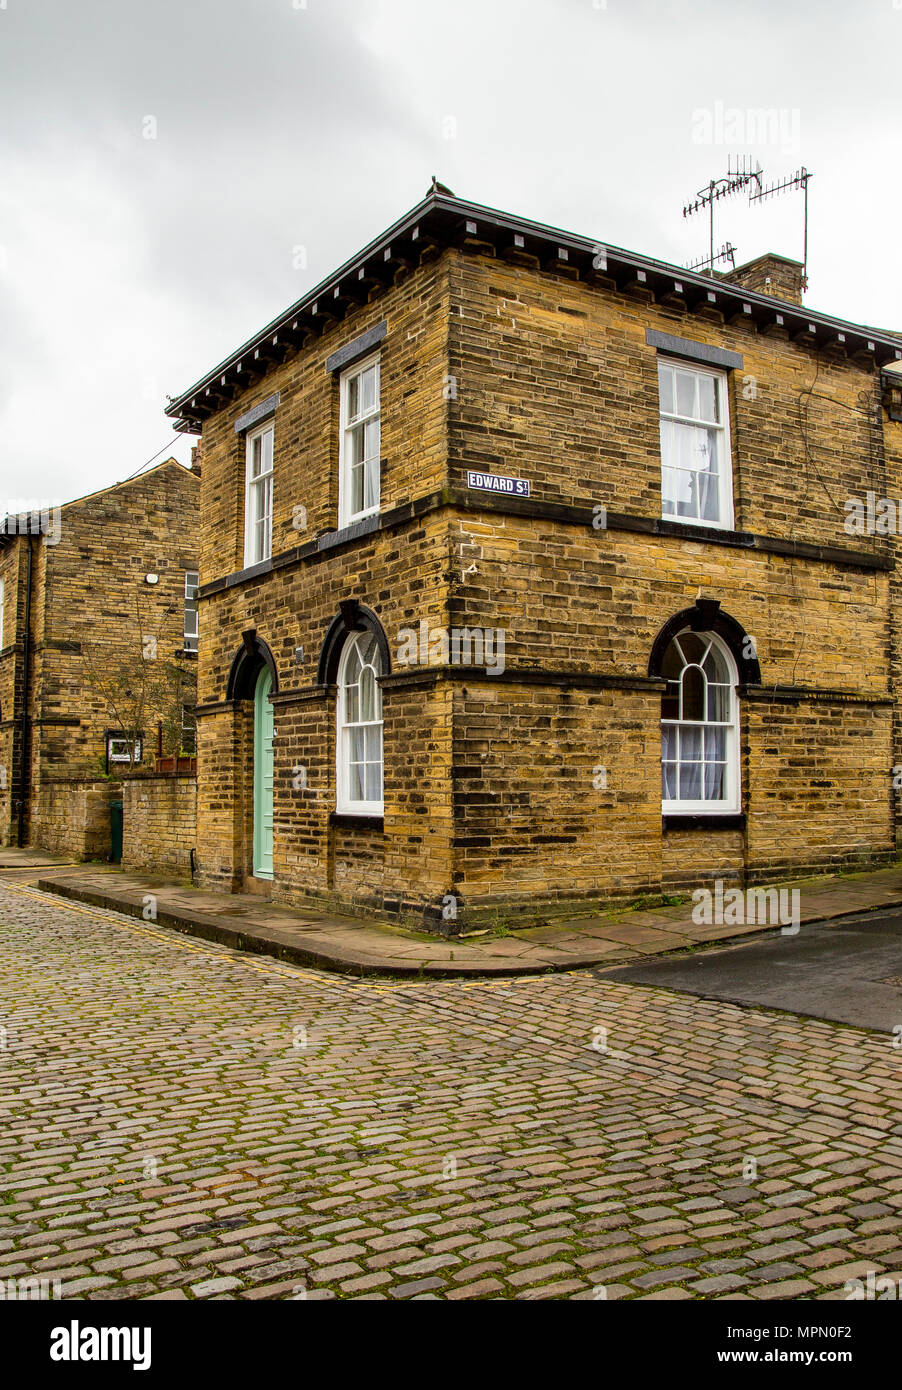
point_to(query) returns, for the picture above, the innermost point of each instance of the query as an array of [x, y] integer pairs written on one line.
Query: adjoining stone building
[[88, 590], [527, 578]]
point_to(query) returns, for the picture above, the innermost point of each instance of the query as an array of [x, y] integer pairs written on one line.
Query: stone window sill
[[354, 821], [675, 821]]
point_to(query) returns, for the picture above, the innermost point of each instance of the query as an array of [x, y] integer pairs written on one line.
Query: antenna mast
[[738, 176], [796, 180]]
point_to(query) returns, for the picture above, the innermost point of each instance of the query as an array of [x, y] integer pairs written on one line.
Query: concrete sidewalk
[[25, 860], [363, 946]]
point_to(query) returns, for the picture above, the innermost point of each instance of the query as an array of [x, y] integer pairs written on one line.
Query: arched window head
[[360, 765], [699, 726]]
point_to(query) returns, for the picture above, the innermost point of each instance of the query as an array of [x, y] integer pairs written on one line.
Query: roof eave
[[448, 221]]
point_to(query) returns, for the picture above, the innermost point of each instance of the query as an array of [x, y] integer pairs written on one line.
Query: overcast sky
[[162, 161]]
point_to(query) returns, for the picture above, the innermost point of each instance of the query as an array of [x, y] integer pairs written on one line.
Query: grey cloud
[[134, 265]]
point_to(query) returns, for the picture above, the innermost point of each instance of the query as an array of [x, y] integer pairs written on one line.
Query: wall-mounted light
[[151, 579]]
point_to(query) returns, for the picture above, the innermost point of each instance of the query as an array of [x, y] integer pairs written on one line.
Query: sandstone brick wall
[[690, 859], [74, 816], [413, 360], [489, 778], [570, 598], [224, 798], [11, 564], [893, 458], [530, 825], [400, 573], [90, 613], [815, 774], [404, 861], [557, 384], [95, 607], [770, 274], [820, 790], [159, 823]]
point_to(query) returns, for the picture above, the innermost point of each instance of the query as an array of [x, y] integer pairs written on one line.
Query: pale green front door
[[263, 776]]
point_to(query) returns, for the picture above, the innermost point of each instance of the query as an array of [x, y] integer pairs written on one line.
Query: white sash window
[[360, 763], [258, 496], [696, 469], [358, 474], [699, 726]]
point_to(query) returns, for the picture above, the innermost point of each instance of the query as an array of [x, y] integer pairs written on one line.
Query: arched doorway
[[252, 685], [263, 775]]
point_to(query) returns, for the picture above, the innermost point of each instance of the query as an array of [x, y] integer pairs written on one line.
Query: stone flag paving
[[361, 946], [183, 1121]]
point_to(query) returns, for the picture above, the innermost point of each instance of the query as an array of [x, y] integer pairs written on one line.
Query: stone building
[[528, 579], [97, 589]]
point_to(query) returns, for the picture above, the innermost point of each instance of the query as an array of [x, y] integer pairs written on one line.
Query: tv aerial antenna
[[740, 174], [798, 180], [726, 253]]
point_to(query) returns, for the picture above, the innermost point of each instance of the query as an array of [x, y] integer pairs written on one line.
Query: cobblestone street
[[183, 1121]]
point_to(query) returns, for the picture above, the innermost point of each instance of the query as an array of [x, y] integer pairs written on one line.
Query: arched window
[[699, 726], [359, 773]]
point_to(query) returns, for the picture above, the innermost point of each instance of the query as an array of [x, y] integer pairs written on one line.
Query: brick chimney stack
[[771, 274], [196, 457]]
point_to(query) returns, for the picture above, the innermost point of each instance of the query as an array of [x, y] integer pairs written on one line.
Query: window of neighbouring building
[[358, 487], [258, 496], [360, 760], [699, 726], [696, 469], [191, 617], [120, 749], [189, 730]]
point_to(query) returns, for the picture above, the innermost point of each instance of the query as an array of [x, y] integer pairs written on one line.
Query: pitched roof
[[22, 520], [444, 220]]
